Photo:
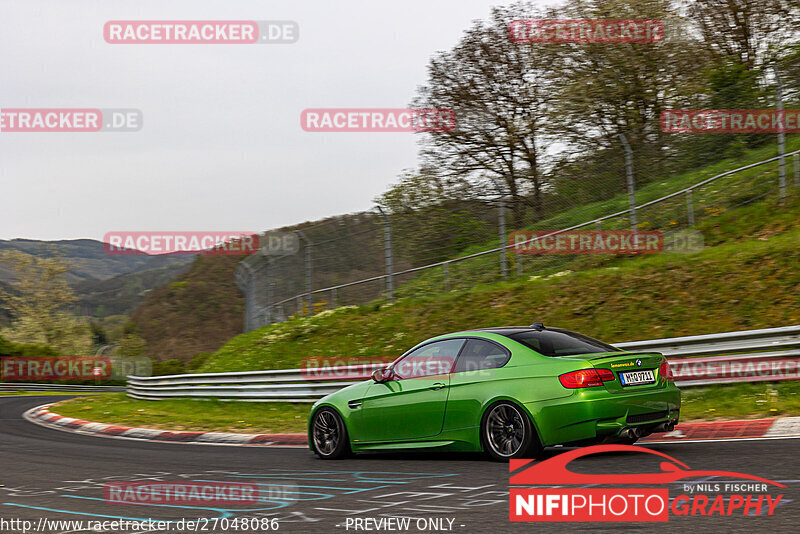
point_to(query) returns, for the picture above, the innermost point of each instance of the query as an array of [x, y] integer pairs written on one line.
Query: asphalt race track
[[60, 476]]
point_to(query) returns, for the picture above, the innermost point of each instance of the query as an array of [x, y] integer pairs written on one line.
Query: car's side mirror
[[382, 375]]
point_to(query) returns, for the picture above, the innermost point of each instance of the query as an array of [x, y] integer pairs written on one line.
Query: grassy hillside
[[175, 330], [750, 279], [730, 192], [196, 313]]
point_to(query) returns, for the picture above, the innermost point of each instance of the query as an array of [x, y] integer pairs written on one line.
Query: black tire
[[507, 433], [627, 441], [329, 439]]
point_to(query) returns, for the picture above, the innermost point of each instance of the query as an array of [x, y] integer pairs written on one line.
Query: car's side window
[[432, 359], [480, 354]]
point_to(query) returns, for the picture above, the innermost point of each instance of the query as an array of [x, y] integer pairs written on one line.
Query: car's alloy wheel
[[507, 433], [329, 435]]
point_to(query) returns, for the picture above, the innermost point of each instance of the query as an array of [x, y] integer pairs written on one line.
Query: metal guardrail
[[745, 356], [727, 342], [285, 385], [22, 386]]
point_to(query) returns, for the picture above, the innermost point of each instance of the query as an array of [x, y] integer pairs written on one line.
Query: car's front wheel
[[329, 435], [507, 432]]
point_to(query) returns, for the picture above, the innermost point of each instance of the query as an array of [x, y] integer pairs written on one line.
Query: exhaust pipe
[[631, 432], [665, 427]]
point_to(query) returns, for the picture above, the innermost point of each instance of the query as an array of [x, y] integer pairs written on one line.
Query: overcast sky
[[221, 147]]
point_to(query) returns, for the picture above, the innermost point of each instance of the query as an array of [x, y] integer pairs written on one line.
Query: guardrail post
[[501, 227], [387, 247], [781, 135], [309, 269], [630, 180], [246, 281], [690, 207], [446, 272], [796, 161], [270, 291]]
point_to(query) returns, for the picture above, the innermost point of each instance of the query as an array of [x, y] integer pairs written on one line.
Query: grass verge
[[37, 393], [188, 414], [735, 401], [735, 286], [741, 401]]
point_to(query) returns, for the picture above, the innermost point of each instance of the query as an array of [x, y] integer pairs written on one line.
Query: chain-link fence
[[635, 181]]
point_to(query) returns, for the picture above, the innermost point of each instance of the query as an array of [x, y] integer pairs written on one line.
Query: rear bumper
[[594, 413]]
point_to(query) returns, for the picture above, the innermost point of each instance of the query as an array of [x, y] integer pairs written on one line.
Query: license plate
[[633, 378]]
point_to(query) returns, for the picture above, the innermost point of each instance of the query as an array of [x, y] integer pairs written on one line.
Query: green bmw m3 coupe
[[507, 391]]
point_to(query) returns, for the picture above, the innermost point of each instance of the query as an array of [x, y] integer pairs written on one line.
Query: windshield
[[557, 342]]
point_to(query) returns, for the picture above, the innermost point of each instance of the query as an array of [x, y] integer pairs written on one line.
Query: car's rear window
[[557, 342]]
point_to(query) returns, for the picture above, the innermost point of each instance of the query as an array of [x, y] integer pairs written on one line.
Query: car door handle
[[437, 385]]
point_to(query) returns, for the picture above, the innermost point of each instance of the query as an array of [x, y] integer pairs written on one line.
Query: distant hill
[[121, 294], [89, 258], [203, 308], [104, 283]]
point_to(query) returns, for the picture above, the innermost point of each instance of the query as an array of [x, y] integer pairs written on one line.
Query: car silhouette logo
[[638, 363], [554, 471]]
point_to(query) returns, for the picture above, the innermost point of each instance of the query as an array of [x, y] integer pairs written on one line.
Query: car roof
[[507, 330]]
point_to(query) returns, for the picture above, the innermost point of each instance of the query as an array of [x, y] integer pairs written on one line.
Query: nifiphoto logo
[[585, 501]]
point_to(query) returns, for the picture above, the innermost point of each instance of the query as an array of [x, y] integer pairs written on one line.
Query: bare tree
[[612, 89], [500, 91], [750, 31]]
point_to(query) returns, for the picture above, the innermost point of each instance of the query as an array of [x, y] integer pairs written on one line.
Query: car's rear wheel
[[329, 435], [507, 432]]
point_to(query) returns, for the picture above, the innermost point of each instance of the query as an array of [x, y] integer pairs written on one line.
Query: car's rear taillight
[[665, 371], [586, 378], [605, 374]]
